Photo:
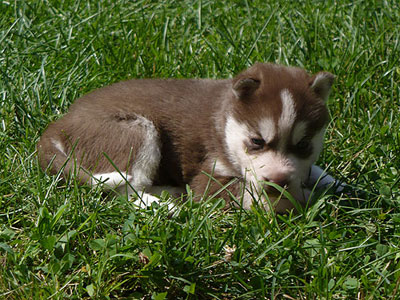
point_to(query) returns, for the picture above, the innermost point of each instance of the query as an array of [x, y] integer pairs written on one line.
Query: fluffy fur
[[266, 124]]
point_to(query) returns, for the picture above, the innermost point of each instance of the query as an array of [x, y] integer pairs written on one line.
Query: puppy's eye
[[303, 145], [258, 142]]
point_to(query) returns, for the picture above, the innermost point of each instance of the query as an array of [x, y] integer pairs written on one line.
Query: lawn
[[59, 240]]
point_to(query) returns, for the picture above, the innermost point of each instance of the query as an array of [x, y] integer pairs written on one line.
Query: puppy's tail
[[54, 159]]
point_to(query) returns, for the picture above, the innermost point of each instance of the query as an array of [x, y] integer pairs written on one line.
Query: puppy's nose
[[279, 179]]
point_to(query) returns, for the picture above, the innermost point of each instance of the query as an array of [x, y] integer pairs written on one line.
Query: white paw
[[145, 200], [321, 180]]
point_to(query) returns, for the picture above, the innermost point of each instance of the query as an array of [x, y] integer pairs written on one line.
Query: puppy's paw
[[321, 180], [145, 200]]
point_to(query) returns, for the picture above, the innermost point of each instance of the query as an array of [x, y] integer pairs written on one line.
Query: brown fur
[[189, 116]]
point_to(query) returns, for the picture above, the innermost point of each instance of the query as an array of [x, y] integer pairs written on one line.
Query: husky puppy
[[266, 125]]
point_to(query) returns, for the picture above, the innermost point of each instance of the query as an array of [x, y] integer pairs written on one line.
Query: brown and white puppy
[[265, 125]]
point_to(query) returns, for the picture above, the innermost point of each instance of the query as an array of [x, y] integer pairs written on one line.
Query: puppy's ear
[[321, 84], [245, 87]]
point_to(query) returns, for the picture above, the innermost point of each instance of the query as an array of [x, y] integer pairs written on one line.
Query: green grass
[[61, 241]]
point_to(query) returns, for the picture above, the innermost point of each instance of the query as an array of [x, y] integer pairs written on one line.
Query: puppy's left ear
[[245, 87], [321, 84]]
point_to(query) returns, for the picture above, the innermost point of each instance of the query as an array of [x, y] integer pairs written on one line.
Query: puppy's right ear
[[321, 84], [244, 87]]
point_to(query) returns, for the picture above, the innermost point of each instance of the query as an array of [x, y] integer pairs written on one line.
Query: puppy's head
[[274, 130]]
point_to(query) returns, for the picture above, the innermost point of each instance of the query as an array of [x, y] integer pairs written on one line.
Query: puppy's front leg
[[319, 179], [229, 188]]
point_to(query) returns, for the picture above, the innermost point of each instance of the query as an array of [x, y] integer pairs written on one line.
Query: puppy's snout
[[279, 179]]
